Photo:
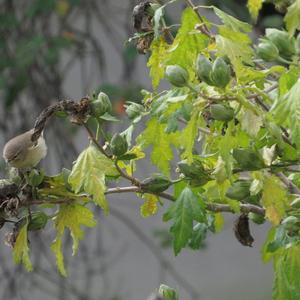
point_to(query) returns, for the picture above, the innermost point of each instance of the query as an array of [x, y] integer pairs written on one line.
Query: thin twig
[[204, 28], [288, 183], [93, 139]]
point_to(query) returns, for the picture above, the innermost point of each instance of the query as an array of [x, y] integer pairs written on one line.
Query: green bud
[[247, 159], [168, 293], [194, 172], [239, 190], [256, 218], [220, 74], [118, 145], [221, 112], [35, 177], [156, 184], [282, 40], [134, 110], [177, 75], [101, 105], [267, 51], [38, 221], [203, 69]]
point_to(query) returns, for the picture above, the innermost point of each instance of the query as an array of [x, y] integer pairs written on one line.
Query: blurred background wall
[[59, 49]]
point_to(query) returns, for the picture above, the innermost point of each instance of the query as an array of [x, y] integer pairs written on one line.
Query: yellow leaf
[[21, 250], [292, 17], [56, 248], [131, 166], [219, 222], [274, 199], [254, 7], [155, 135], [137, 150], [157, 69], [149, 208], [71, 217]]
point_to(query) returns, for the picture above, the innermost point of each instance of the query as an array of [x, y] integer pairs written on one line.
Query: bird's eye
[[15, 157]]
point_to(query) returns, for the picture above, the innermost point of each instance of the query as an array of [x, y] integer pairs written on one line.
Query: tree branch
[[290, 185], [214, 207]]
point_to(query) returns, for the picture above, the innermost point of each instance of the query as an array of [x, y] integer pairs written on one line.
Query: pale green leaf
[[254, 7], [241, 37], [156, 61], [266, 255], [188, 137], [21, 249], [187, 43], [287, 109], [251, 122], [256, 186], [155, 135], [56, 249], [292, 17], [274, 199], [88, 174], [231, 22], [158, 15], [72, 217], [286, 266], [220, 171], [228, 142], [269, 154], [236, 51], [287, 80], [57, 186]]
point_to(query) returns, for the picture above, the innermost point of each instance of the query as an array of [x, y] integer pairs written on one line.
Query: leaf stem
[[93, 139]]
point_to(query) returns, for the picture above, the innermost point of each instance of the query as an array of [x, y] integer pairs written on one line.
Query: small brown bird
[[21, 152]]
